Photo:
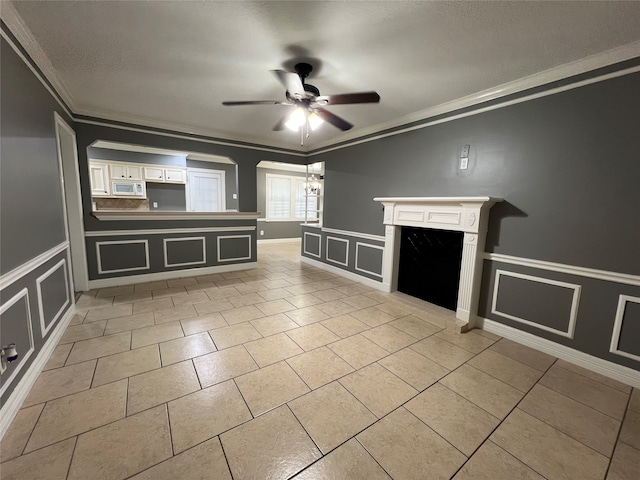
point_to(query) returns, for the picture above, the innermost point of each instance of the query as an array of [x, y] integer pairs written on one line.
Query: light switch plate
[[464, 163]]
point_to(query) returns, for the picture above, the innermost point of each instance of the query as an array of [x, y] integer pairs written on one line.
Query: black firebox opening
[[430, 265]]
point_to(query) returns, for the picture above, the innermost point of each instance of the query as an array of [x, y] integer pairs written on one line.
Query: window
[[286, 199]]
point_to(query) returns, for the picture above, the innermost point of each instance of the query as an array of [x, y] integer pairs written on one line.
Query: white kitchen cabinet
[[99, 177], [154, 174], [175, 175], [165, 175], [123, 171]]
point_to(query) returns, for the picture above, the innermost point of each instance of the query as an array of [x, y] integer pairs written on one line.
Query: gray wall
[[274, 230], [168, 196], [29, 185], [567, 167], [135, 157], [32, 217]]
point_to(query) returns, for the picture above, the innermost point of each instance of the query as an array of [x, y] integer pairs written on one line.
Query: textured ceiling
[[172, 63]]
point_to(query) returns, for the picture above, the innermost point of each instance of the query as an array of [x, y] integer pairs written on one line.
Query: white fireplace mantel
[[463, 214]]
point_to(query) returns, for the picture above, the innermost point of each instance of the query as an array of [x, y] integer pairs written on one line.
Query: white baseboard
[[344, 273], [279, 240], [14, 402], [621, 373], [152, 277]]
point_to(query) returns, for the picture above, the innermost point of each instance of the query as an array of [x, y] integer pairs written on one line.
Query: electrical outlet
[[261, 232], [465, 151], [234, 196], [464, 163], [155, 204]]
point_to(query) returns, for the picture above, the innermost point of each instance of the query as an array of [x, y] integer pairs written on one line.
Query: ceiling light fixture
[[304, 121]]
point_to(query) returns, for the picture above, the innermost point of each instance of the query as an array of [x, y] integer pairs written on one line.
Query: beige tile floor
[[289, 371]]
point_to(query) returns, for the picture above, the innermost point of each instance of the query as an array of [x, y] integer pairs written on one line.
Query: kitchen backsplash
[[139, 204]]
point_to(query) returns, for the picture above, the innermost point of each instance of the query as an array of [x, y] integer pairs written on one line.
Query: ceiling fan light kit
[[309, 112]]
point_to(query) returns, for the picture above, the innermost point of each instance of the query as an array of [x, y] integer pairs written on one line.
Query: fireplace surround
[[469, 215]]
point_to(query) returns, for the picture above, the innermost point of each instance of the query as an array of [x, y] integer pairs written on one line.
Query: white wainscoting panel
[[43, 324], [617, 327], [122, 242], [165, 241], [574, 303], [304, 244], [346, 252], [24, 296], [235, 258], [360, 245]]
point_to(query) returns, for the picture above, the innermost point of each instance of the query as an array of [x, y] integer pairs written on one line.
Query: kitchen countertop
[[106, 215]]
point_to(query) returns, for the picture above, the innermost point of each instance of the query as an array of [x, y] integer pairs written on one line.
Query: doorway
[[205, 190]]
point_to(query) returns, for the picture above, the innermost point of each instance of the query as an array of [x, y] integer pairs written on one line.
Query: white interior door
[[70, 179], [205, 191]]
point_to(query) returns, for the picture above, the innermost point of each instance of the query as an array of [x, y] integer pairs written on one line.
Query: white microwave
[[128, 189]]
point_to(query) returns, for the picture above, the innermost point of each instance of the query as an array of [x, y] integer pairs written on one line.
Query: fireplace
[[429, 265], [466, 215]]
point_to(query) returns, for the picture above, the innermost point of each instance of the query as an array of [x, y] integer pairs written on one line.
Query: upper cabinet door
[[99, 177], [125, 172], [175, 175], [134, 173], [118, 171], [153, 174]]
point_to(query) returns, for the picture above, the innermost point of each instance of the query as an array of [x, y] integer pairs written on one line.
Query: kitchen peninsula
[[140, 246]]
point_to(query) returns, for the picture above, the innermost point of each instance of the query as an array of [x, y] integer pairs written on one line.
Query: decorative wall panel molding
[[360, 246], [101, 269], [222, 258], [200, 254], [19, 272], [345, 252], [609, 276], [162, 231], [348, 233], [623, 300], [21, 296], [47, 323], [575, 300], [306, 235]]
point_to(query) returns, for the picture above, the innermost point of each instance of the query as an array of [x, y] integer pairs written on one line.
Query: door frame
[[72, 205], [223, 193]]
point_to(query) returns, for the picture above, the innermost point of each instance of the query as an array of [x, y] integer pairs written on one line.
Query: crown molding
[[214, 137], [593, 62], [147, 130], [28, 42]]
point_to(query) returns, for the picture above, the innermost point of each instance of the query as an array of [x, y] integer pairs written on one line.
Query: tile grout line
[[488, 438], [73, 452], [173, 450], [615, 444]]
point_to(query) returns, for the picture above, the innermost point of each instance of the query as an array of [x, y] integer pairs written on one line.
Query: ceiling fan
[[309, 103]]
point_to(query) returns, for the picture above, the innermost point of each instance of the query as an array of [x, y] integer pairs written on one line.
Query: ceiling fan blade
[[281, 123], [256, 102], [333, 119], [344, 98], [291, 82]]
